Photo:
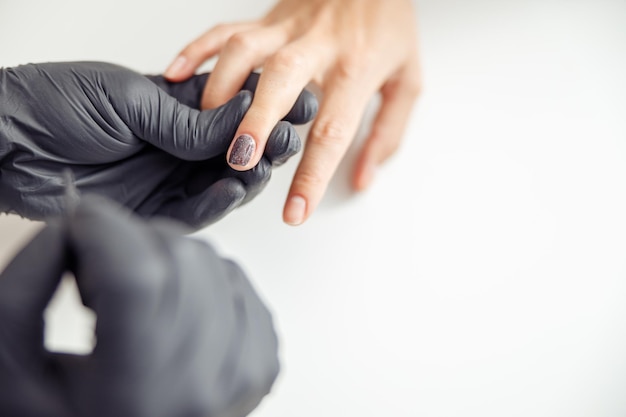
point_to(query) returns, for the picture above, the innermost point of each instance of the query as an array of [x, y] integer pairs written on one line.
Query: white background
[[483, 274]]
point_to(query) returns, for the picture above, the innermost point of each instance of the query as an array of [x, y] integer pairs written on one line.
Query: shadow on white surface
[[482, 275]]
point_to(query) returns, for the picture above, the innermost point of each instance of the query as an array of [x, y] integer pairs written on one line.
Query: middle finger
[[243, 52]]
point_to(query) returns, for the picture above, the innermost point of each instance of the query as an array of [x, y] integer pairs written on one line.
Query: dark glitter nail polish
[[242, 151]]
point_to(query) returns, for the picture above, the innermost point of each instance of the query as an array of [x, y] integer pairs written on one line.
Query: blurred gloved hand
[[144, 144], [180, 331]]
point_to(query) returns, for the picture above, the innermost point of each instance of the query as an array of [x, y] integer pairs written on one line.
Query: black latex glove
[[146, 147], [180, 331]]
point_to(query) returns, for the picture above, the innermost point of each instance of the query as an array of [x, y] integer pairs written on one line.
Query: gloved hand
[[124, 137], [180, 331]]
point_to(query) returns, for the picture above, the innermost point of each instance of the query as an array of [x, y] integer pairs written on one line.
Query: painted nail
[[176, 67], [294, 213], [242, 151]]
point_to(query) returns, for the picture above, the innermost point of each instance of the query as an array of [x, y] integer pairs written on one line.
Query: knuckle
[[328, 133], [310, 180], [287, 61], [242, 43], [350, 67]]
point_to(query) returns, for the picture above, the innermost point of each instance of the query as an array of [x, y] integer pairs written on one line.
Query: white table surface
[[483, 274]]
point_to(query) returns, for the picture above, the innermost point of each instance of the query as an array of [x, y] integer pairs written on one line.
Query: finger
[[179, 130], [252, 365], [203, 48], [283, 143], [26, 286], [123, 270], [213, 191], [304, 109], [126, 273], [284, 77], [188, 92], [255, 179], [207, 207], [242, 53], [398, 98], [329, 138], [207, 200], [120, 269]]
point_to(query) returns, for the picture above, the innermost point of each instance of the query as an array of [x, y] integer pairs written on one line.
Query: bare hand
[[351, 49]]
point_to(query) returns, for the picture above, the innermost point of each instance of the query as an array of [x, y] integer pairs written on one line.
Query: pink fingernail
[[367, 177], [242, 151], [295, 210]]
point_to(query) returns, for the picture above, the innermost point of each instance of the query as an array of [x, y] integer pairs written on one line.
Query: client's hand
[[180, 331], [144, 144]]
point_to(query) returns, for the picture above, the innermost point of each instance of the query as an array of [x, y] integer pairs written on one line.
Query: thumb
[[163, 121], [26, 287]]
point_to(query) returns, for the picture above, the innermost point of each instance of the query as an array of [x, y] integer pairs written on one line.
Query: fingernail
[[242, 151], [176, 67], [367, 176], [294, 212]]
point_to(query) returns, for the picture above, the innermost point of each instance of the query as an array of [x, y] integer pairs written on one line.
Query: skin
[[122, 136], [349, 49]]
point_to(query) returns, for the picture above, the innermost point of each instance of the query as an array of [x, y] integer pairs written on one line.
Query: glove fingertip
[[243, 99], [251, 82], [284, 142], [304, 110], [208, 207]]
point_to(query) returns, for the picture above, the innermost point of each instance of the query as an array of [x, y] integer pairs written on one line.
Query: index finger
[[204, 47]]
